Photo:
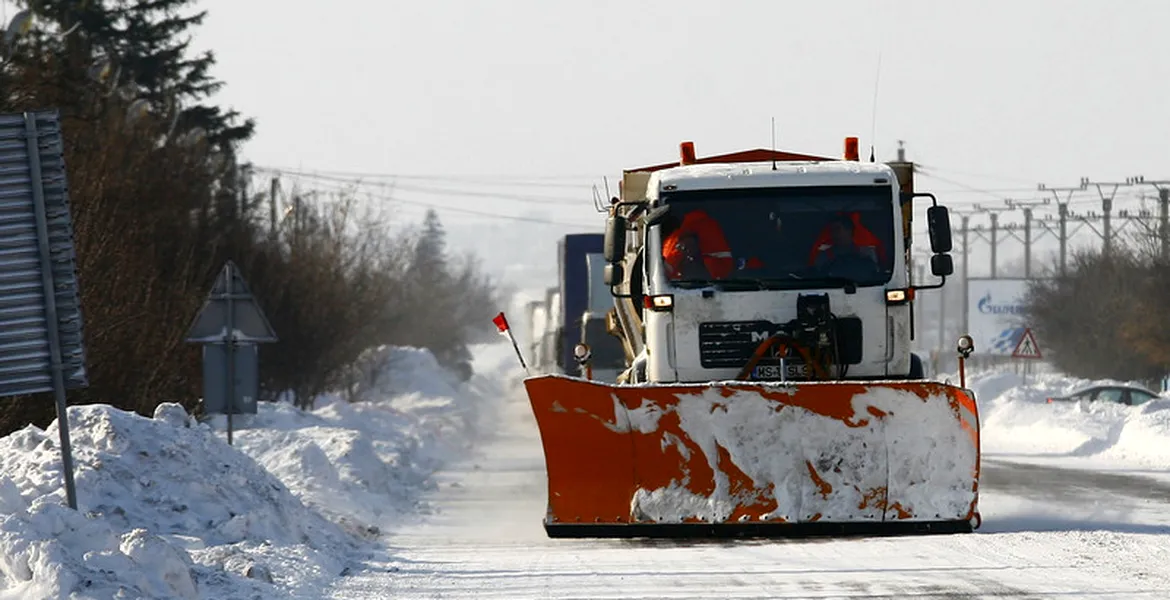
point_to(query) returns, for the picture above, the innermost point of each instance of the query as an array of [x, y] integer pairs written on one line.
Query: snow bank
[[169, 510], [361, 464], [166, 509], [1019, 424]]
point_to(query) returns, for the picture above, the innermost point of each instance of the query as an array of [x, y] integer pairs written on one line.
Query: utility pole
[[1062, 212], [1106, 208], [1163, 187], [272, 191], [1026, 206], [1164, 220], [993, 213], [964, 230]]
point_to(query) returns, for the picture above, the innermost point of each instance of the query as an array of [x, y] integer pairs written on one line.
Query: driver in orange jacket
[[845, 234], [697, 249]]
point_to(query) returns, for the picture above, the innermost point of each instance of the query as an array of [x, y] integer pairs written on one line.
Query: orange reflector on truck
[[625, 459]]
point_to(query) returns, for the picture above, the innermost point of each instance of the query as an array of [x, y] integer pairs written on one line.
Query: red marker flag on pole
[[502, 324]]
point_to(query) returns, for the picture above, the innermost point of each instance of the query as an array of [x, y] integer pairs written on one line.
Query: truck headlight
[[660, 303]]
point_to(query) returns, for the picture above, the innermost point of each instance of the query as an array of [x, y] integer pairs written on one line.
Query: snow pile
[[361, 464], [169, 510], [166, 510], [1020, 424]]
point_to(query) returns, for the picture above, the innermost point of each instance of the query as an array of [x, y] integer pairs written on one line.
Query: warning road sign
[[1027, 346]]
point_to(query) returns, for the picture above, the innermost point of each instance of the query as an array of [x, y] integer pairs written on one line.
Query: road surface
[[1047, 533]]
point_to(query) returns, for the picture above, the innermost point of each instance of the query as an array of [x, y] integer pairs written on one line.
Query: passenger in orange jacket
[[697, 249]]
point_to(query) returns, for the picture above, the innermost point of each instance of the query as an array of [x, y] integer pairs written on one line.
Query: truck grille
[[729, 345]]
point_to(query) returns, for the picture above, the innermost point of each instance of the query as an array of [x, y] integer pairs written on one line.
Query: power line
[[978, 191], [980, 175], [543, 200], [467, 211], [550, 181], [968, 189], [353, 179]]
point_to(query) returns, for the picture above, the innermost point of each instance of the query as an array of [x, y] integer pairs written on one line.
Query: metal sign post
[[230, 326], [41, 341]]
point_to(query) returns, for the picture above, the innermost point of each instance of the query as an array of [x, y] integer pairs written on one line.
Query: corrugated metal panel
[[25, 362]]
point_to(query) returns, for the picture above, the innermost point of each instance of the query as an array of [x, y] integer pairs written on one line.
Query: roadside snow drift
[[169, 510], [166, 509], [363, 463], [1019, 424]]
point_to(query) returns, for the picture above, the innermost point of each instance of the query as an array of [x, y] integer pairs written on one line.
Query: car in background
[[1130, 395]]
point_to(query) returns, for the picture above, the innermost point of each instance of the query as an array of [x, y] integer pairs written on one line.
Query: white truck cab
[[785, 270]]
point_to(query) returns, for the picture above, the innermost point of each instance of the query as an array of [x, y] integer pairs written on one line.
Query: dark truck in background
[[583, 307], [609, 357], [573, 273]]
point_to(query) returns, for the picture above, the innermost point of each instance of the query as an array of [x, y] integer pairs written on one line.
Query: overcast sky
[[1019, 91], [993, 95]]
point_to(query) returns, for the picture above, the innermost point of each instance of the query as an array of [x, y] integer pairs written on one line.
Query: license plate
[[794, 371]]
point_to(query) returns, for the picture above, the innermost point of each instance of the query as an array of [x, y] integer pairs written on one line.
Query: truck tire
[[916, 369]]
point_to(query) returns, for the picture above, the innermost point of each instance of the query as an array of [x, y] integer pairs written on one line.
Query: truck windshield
[[781, 238]]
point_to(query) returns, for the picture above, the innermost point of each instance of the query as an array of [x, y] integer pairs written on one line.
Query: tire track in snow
[[1068, 485]]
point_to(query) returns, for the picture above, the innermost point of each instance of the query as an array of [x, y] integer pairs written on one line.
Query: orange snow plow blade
[[757, 459]]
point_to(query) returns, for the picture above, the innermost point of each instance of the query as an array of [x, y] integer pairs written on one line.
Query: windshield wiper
[[691, 284], [733, 285], [768, 283], [739, 285], [849, 285]]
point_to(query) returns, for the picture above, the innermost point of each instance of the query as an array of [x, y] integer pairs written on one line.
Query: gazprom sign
[[996, 314], [989, 305]]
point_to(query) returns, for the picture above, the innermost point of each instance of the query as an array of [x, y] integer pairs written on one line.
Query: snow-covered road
[[1048, 532]]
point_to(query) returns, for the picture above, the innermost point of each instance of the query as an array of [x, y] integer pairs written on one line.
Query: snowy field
[[432, 489]]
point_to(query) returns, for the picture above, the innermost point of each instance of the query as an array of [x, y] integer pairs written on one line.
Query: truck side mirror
[[938, 220], [613, 274], [614, 246], [656, 215], [942, 265]]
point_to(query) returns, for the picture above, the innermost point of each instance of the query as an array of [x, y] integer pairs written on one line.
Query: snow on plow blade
[[757, 459]]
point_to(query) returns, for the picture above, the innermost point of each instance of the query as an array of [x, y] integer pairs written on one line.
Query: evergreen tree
[[146, 47], [430, 257], [436, 298]]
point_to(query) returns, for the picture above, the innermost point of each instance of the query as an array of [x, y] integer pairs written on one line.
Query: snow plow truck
[[764, 303]]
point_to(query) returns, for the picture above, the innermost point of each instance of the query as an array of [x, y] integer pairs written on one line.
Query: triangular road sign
[[239, 286], [1027, 346], [249, 324]]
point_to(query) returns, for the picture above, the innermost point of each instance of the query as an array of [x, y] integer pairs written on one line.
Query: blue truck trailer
[[573, 273]]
